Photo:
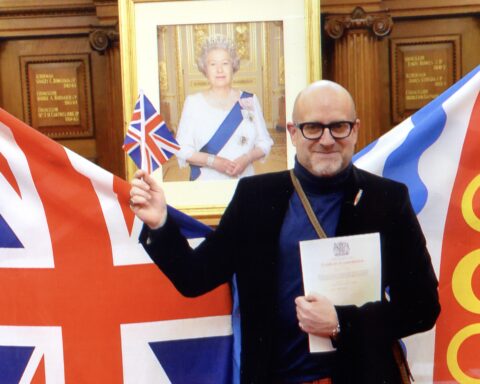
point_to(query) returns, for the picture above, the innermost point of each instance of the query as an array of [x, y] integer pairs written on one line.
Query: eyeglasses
[[314, 130]]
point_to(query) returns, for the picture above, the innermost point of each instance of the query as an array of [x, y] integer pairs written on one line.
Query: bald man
[[258, 240]]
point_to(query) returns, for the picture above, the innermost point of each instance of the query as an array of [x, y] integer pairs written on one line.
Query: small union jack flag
[[148, 141]]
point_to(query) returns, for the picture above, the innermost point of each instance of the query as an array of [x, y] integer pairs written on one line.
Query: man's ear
[[356, 127], [292, 130]]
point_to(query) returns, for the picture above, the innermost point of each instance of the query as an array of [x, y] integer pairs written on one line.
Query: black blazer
[[246, 243]]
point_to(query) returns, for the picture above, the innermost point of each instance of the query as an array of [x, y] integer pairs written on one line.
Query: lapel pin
[[358, 197]]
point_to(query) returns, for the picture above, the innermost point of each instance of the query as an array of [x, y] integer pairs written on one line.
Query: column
[[104, 39], [355, 63]]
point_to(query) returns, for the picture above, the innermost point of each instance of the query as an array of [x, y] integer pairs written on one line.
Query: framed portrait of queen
[[223, 74]]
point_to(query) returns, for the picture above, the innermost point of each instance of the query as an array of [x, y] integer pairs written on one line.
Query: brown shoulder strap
[[306, 205]]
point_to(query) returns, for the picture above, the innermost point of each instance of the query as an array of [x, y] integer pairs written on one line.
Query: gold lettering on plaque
[[422, 69], [57, 91], [56, 95], [426, 75]]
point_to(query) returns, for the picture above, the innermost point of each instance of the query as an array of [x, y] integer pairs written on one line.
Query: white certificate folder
[[347, 270]]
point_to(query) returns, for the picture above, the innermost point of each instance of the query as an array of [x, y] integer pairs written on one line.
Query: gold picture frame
[[139, 20]]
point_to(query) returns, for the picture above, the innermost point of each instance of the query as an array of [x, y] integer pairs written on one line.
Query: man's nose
[[326, 138]]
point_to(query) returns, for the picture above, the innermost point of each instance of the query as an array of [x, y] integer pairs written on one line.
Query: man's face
[[325, 156]]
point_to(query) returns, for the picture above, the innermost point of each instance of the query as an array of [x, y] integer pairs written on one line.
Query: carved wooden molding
[[102, 38], [379, 23], [46, 11]]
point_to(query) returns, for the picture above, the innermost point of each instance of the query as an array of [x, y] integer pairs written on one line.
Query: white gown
[[199, 122]]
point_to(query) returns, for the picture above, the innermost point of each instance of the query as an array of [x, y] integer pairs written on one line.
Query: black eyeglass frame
[[351, 124]]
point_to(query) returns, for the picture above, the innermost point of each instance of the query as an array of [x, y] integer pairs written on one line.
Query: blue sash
[[222, 134]]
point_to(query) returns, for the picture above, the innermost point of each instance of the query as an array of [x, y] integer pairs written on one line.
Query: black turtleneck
[[316, 185], [293, 362]]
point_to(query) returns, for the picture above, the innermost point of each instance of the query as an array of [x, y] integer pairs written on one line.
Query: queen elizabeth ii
[[222, 131]]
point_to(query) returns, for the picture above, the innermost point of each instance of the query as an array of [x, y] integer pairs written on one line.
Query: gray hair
[[217, 42]]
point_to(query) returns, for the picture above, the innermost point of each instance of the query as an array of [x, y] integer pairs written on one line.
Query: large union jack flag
[[80, 300], [148, 140]]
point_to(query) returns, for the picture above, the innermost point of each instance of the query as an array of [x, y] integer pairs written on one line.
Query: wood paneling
[[355, 63], [55, 32], [462, 32], [359, 59], [371, 65], [57, 94], [421, 69]]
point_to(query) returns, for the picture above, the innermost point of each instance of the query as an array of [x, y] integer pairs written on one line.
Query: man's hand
[[316, 315], [147, 200]]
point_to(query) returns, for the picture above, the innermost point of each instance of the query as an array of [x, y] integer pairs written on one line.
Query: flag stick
[[143, 165]]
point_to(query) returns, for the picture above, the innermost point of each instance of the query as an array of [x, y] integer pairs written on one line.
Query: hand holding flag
[[147, 200], [148, 141]]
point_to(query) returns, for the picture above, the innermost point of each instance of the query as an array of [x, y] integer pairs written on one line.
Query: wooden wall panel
[[421, 69], [45, 35], [460, 33], [418, 22], [53, 27], [354, 62]]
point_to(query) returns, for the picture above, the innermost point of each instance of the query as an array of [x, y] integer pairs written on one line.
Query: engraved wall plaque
[[422, 68], [57, 95]]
